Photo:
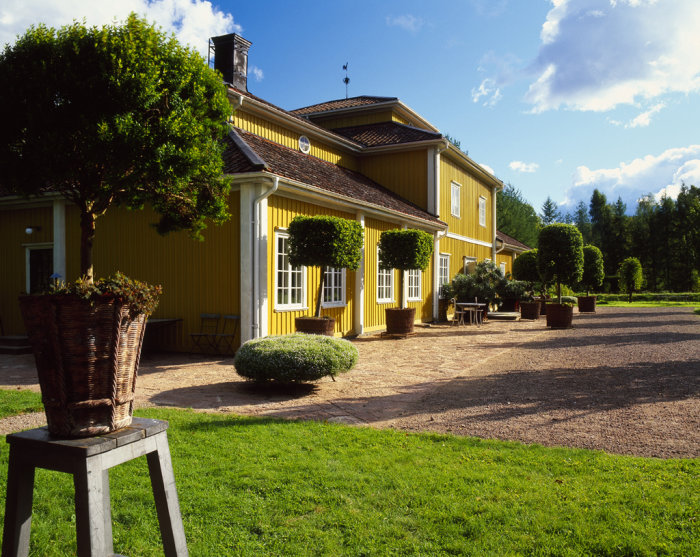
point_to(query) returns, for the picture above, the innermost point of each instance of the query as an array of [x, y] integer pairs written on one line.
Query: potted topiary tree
[[560, 260], [323, 241], [593, 275], [525, 269], [111, 116], [403, 250], [631, 277]]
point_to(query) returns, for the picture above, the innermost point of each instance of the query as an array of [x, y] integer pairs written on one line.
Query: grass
[[645, 304], [252, 486], [19, 402]]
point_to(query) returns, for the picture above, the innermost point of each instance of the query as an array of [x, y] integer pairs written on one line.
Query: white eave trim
[[20, 202], [307, 191], [468, 240]]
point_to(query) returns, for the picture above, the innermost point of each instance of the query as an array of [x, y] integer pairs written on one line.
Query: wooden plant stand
[[89, 460]]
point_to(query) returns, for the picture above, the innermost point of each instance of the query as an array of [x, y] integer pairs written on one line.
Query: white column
[[436, 275], [248, 192], [59, 238], [358, 317]]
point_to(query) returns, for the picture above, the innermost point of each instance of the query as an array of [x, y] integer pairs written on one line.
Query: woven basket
[[87, 356]]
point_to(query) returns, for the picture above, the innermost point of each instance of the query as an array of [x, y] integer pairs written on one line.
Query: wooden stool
[[89, 460]]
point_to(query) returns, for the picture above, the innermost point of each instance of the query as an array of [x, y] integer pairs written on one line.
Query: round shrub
[[294, 358]]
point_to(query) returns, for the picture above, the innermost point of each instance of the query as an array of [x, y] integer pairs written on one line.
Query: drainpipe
[[257, 235]]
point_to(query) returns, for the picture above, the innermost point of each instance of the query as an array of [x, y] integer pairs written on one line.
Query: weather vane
[[346, 79]]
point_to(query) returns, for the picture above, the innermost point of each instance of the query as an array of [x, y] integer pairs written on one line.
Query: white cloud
[[527, 167], [407, 22], [488, 91], [642, 120], [487, 168], [192, 21], [598, 54], [655, 174], [257, 73]]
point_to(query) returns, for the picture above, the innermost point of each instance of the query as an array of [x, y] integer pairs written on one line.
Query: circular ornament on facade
[[304, 144]]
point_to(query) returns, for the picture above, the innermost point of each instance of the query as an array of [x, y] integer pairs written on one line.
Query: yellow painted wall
[[458, 249], [290, 138], [471, 189], [281, 210], [405, 173], [13, 259], [507, 258]]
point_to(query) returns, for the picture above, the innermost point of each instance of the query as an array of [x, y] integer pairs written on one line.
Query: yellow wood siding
[[505, 257], [197, 277], [467, 224], [281, 211], [404, 173], [458, 250], [290, 138], [13, 263]]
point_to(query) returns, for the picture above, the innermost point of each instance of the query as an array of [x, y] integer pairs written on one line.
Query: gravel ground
[[623, 380]]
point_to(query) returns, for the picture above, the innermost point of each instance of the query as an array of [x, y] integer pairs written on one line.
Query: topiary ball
[[294, 358]]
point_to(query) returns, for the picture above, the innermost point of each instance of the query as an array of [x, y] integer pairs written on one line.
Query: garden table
[[474, 309], [89, 460]]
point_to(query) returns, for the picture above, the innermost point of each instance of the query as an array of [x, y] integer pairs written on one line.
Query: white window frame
[[385, 279], [455, 199], [334, 283], [414, 282], [502, 266], [482, 211], [289, 271], [444, 269], [466, 260]]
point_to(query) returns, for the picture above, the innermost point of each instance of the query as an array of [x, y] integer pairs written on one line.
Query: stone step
[[15, 349]]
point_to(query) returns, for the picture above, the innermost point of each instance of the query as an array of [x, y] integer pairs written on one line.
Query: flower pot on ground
[[529, 310], [560, 316], [586, 304], [404, 250], [315, 325], [87, 344]]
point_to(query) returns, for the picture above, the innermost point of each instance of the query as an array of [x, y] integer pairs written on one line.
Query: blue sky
[[557, 97]]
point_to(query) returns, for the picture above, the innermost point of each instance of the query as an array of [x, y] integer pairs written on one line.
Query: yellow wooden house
[[370, 159]]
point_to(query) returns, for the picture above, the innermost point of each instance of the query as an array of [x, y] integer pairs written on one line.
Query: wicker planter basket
[[315, 325], [560, 316], [400, 321], [529, 310], [586, 304], [87, 357]]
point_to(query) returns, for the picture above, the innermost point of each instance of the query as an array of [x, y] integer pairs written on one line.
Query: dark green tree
[[583, 222], [121, 115], [593, 270], [688, 232], [325, 241], [560, 255], [516, 217], [643, 240], [405, 250], [618, 240], [631, 277], [550, 214], [525, 269]]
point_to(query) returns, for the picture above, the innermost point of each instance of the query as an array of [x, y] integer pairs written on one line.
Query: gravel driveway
[[624, 380]]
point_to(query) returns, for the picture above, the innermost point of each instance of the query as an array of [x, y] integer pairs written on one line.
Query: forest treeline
[[664, 235]]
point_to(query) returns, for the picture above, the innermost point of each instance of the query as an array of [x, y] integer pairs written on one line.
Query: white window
[[503, 268], [468, 264], [482, 211], [385, 283], [444, 269], [290, 287], [414, 280], [455, 199], [334, 287]]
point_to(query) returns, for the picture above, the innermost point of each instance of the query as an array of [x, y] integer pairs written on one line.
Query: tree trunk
[[320, 292], [87, 236], [402, 301]]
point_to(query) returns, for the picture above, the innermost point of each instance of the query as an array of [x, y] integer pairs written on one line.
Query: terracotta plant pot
[[315, 325], [559, 316], [400, 321], [529, 310], [87, 356], [586, 304], [509, 304]]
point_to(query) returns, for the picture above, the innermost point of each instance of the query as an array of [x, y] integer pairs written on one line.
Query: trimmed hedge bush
[[593, 272], [294, 358], [560, 255], [631, 277]]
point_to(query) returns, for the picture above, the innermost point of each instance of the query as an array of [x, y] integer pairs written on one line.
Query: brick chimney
[[231, 59]]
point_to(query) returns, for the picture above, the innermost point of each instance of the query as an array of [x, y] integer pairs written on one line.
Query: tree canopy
[[121, 115], [405, 250], [516, 217], [631, 277], [560, 255]]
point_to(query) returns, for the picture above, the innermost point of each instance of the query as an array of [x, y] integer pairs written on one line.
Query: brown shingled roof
[[306, 169], [511, 241], [386, 133], [342, 103]]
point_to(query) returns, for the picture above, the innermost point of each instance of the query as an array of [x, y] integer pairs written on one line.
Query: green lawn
[[252, 486], [19, 402], [645, 304]]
